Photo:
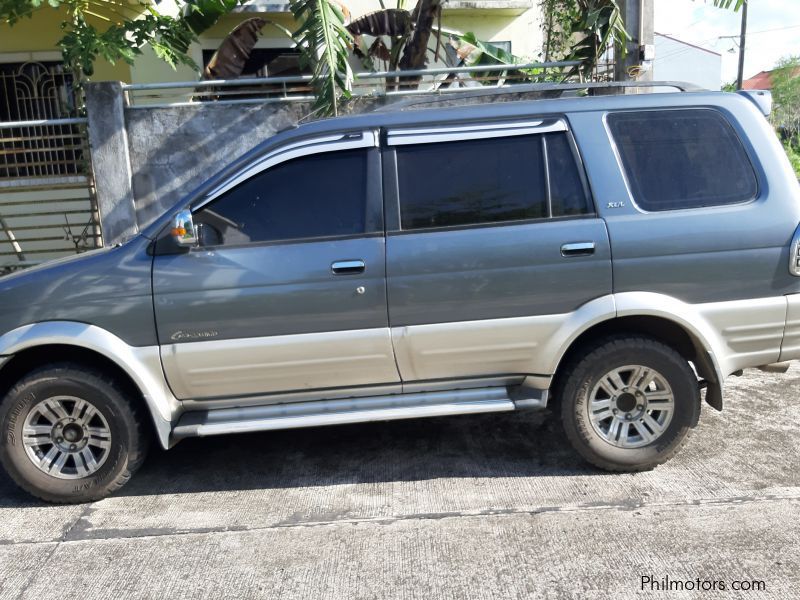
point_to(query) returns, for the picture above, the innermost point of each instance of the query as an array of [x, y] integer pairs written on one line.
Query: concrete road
[[493, 506]]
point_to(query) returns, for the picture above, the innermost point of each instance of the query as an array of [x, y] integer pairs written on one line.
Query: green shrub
[[794, 157]]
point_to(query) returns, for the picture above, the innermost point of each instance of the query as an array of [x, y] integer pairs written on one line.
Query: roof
[[763, 81], [696, 47]]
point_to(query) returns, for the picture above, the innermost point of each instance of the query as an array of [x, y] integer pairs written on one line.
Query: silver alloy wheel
[[631, 406], [66, 437]]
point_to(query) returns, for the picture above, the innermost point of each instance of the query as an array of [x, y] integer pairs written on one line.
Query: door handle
[[577, 249], [348, 267]]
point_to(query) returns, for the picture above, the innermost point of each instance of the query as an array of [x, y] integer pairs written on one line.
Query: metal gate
[[47, 203]]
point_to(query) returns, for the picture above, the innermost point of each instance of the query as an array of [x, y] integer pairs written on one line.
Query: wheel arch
[[666, 319], [139, 369]]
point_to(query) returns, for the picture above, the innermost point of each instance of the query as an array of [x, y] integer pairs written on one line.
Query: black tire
[[129, 437], [585, 373]]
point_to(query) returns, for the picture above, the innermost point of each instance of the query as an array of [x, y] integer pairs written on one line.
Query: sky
[[773, 31]]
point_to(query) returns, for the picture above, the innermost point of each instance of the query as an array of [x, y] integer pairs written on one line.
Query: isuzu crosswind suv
[[615, 257]]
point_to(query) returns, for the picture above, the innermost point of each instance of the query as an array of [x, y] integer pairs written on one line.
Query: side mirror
[[183, 230]]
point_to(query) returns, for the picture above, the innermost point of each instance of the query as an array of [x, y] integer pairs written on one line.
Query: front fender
[[142, 364]]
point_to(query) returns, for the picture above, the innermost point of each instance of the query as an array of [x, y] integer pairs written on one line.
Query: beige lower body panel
[[751, 331], [790, 350], [739, 334], [473, 348], [264, 365]]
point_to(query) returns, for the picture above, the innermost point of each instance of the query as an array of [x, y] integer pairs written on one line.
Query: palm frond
[[199, 15], [324, 40], [735, 4]]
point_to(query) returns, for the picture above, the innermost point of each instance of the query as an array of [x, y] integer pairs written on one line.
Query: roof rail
[[550, 90]]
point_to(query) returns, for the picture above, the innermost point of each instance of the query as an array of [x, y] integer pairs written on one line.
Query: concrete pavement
[[491, 506]]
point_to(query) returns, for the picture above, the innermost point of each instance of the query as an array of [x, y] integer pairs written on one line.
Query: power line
[[693, 45], [762, 31]]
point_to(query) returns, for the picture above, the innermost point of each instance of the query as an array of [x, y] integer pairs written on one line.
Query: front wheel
[[628, 405], [70, 434]]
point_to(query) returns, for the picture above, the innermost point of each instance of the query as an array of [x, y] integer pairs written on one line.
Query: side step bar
[[353, 410]]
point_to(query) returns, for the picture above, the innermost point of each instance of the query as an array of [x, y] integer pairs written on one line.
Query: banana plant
[[394, 23], [117, 31], [600, 24], [325, 38], [324, 41], [229, 59], [472, 52]]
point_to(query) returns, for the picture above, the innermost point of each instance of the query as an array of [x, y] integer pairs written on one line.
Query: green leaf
[[200, 15], [323, 41]]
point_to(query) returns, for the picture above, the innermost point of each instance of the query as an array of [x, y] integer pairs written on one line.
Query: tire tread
[[140, 426], [574, 370]]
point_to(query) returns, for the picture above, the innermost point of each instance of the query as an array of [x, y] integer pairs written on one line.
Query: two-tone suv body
[[614, 254]]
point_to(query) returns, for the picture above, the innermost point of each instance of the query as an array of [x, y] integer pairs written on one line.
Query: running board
[[352, 410]]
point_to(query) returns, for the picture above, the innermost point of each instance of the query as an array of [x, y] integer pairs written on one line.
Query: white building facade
[[676, 60]]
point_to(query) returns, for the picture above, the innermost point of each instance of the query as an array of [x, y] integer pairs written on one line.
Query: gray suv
[[616, 257]]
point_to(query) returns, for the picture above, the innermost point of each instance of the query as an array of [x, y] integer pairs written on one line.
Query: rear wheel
[[628, 405], [70, 434]]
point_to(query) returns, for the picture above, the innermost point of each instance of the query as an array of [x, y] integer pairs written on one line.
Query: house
[[47, 207], [513, 24], [763, 80], [676, 60], [47, 202]]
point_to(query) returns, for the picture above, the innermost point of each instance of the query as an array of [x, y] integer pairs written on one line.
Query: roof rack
[[547, 90]]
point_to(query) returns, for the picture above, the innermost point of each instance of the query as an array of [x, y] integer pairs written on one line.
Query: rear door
[[287, 290], [493, 242]]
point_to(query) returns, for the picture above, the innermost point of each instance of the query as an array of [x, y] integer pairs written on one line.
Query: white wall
[[679, 61]]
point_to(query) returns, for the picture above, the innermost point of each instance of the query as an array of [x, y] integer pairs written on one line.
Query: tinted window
[[470, 182], [321, 195], [567, 193], [682, 159]]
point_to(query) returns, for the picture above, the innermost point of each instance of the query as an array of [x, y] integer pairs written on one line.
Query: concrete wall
[[172, 150]]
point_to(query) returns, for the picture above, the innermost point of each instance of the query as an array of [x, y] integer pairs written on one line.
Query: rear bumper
[[790, 348]]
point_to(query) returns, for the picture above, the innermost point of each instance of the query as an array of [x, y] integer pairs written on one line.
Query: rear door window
[[676, 159], [490, 180]]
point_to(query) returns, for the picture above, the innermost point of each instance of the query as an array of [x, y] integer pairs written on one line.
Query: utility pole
[[740, 76], [638, 16]]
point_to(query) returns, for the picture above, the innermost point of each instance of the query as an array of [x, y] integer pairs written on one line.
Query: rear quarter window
[[676, 159]]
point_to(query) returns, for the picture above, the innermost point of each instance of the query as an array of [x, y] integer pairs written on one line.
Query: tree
[[786, 97], [116, 30], [582, 30], [786, 106], [402, 39], [735, 4]]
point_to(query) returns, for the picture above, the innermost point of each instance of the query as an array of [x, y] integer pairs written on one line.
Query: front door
[[493, 243], [287, 289]]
